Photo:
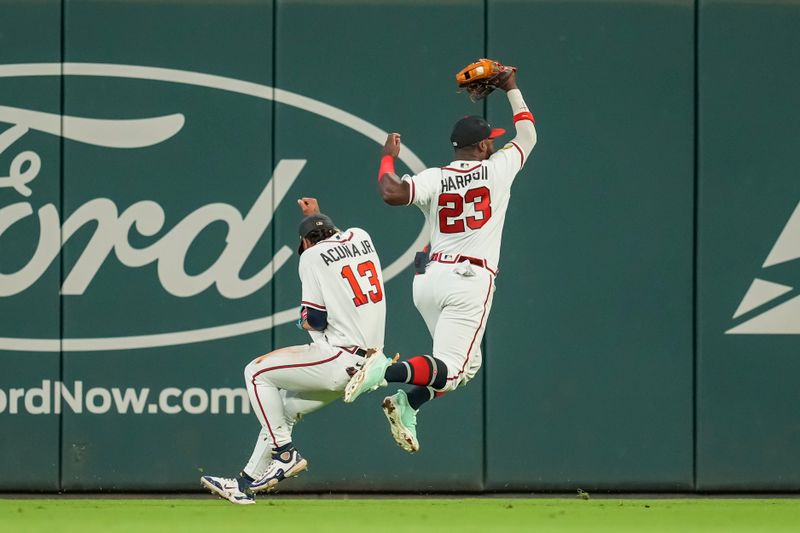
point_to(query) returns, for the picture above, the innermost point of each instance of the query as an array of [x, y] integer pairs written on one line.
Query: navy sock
[[244, 481], [419, 395], [422, 370], [280, 449], [397, 373]]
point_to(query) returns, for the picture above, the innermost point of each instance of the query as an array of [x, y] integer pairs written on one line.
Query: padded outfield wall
[[644, 334]]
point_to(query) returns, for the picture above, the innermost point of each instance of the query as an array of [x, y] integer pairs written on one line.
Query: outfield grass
[[400, 515]]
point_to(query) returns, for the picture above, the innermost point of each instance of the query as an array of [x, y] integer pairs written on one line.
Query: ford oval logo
[[147, 218]]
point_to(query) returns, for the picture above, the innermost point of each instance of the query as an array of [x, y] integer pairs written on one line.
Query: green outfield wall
[[645, 332]]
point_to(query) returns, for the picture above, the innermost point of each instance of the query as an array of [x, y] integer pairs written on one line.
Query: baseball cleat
[[402, 421], [228, 489], [369, 377], [287, 464]]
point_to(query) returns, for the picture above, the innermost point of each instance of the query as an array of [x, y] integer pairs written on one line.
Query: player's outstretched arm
[[394, 191], [523, 118]]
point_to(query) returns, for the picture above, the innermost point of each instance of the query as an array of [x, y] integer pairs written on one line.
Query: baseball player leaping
[[465, 204], [344, 311]]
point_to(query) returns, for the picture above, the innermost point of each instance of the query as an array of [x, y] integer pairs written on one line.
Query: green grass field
[[400, 515]]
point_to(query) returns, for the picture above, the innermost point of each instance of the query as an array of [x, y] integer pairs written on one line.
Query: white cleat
[[227, 489], [287, 464]]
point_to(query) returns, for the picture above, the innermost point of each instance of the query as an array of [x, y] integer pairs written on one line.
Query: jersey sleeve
[[311, 289], [510, 159], [507, 162], [424, 187]]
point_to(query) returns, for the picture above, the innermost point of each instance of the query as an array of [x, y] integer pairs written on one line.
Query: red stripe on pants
[[255, 388], [480, 325]]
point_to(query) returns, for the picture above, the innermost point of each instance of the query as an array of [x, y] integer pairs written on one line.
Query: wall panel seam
[[485, 342], [60, 454], [695, 182]]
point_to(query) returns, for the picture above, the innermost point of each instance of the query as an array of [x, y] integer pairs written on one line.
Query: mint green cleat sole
[[402, 421], [369, 377]]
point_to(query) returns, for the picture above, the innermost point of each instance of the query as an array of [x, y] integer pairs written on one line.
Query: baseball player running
[[465, 204], [344, 310]]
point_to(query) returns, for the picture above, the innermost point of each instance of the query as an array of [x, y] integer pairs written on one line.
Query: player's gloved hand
[[309, 206], [483, 76], [392, 145], [510, 82]]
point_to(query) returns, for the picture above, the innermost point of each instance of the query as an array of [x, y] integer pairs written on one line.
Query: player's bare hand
[[392, 146], [309, 206], [510, 83]]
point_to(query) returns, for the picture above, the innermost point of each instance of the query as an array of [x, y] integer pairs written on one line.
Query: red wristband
[[525, 115], [387, 166]]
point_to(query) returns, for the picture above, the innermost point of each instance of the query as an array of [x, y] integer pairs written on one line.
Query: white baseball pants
[[455, 299], [288, 383]]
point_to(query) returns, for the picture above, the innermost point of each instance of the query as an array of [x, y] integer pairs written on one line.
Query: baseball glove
[[482, 77]]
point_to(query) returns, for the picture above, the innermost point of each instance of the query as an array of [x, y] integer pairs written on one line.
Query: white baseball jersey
[[465, 203], [342, 276]]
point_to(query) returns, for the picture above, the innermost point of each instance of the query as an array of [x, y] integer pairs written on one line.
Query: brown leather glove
[[482, 77]]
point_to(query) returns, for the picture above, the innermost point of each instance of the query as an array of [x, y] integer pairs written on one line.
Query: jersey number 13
[[365, 270]]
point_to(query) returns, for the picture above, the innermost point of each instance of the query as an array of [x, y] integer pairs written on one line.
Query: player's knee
[[450, 385], [451, 379], [249, 371]]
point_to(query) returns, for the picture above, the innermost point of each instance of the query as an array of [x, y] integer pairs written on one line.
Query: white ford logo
[[147, 217]]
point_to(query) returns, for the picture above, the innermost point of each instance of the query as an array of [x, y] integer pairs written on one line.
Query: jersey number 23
[[452, 209]]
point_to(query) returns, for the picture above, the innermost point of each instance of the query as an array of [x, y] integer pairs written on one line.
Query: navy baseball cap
[[312, 222], [472, 130]]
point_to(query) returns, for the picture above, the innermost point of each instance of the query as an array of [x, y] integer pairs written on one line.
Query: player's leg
[[428, 373], [288, 462], [456, 358], [296, 405], [299, 404], [427, 298], [455, 301], [401, 411], [420, 371], [462, 323], [259, 459], [237, 489], [301, 369], [400, 408], [268, 403], [378, 367]]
